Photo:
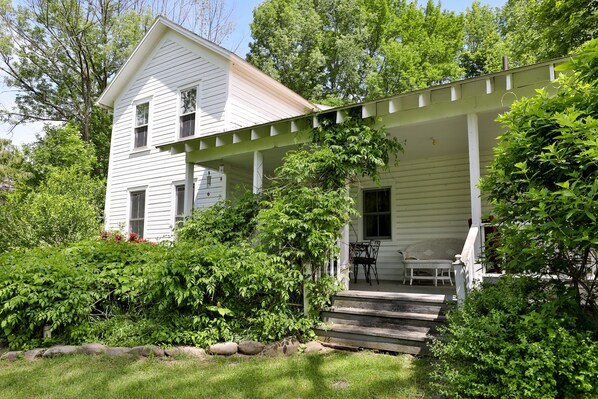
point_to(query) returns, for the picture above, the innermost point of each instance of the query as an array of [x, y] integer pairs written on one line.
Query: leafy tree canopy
[[56, 199], [60, 55], [537, 30], [354, 49], [347, 50], [58, 148], [11, 163]]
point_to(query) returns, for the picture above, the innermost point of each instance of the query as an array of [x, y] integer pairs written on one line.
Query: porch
[[449, 132]]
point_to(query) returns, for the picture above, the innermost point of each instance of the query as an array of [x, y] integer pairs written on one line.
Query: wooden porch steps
[[388, 321]]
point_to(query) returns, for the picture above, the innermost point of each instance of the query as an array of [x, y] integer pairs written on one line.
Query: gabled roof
[[152, 38]]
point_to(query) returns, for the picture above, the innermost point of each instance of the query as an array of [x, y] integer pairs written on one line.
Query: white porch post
[[258, 171], [473, 140], [188, 200]]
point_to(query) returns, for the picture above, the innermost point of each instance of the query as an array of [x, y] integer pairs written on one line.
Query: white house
[[188, 113], [174, 87]]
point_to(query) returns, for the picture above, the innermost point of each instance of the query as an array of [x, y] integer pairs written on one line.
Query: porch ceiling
[[244, 161], [447, 136]]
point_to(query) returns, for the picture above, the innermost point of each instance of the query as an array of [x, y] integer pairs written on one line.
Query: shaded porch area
[[448, 131]]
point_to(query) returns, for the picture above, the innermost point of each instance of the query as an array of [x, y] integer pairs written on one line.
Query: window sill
[[138, 152]]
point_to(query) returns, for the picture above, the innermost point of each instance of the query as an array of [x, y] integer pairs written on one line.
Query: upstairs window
[[187, 112], [376, 214], [137, 215], [141, 125]]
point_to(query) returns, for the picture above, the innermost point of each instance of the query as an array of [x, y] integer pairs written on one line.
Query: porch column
[[473, 140], [188, 200], [258, 171]]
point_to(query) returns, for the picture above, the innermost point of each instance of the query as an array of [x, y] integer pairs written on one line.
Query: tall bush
[[69, 288], [125, 293], [542, 183], [520, 339], [63, 209]]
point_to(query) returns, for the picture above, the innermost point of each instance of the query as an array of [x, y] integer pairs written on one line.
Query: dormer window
[[141, 125], [187, 112]]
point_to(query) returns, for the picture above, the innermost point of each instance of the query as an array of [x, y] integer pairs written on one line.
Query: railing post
[[343, 263], [459, 267]]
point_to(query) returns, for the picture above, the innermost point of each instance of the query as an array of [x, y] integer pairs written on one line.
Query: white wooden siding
[[173, 65], [430, 199], [253, 103]]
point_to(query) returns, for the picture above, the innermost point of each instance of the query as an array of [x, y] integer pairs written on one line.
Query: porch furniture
[[366, 254], [436, 256]]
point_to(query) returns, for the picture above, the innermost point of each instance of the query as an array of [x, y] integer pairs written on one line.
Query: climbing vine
[[309, 203]]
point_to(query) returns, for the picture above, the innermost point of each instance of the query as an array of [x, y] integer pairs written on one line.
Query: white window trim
[[145, 213], [173, 185], [150, 111], [197, 87], [361, 206]]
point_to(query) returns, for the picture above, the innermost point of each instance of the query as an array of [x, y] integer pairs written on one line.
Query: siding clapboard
[[430, 199], [171, 67]]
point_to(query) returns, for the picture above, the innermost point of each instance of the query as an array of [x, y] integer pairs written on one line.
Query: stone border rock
[[285, 347]]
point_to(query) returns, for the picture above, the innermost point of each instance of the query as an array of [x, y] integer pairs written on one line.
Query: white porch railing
[[468, 269]]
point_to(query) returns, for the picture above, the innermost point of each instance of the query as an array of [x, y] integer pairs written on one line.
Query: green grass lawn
[[332, 375]]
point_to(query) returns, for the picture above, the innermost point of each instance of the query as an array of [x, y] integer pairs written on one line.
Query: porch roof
[[475, 95]]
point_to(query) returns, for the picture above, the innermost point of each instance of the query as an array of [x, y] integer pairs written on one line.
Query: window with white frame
[[137, 212], [377, 214], [141, 125], [179, 204], [187, 111]]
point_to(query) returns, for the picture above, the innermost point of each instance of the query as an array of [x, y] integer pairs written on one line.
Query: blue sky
[[242, 14]]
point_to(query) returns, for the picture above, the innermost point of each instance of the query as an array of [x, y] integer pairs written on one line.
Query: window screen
[[187, 112], [376, 214], [137, 218], [141, 125]]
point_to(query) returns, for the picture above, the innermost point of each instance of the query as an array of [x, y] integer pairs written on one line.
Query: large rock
[[313, 346], [191, 351], [60, 350], [92, 349], [34, 354], [251, 347], [147, 350], [117, 351], [285, 347], [12, 355], [224, 348]]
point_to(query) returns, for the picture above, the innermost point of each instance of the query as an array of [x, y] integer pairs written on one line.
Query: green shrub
[[125, 293], [69, 288], [63, 209], [520, 339], [218, 291], [226, 221]]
